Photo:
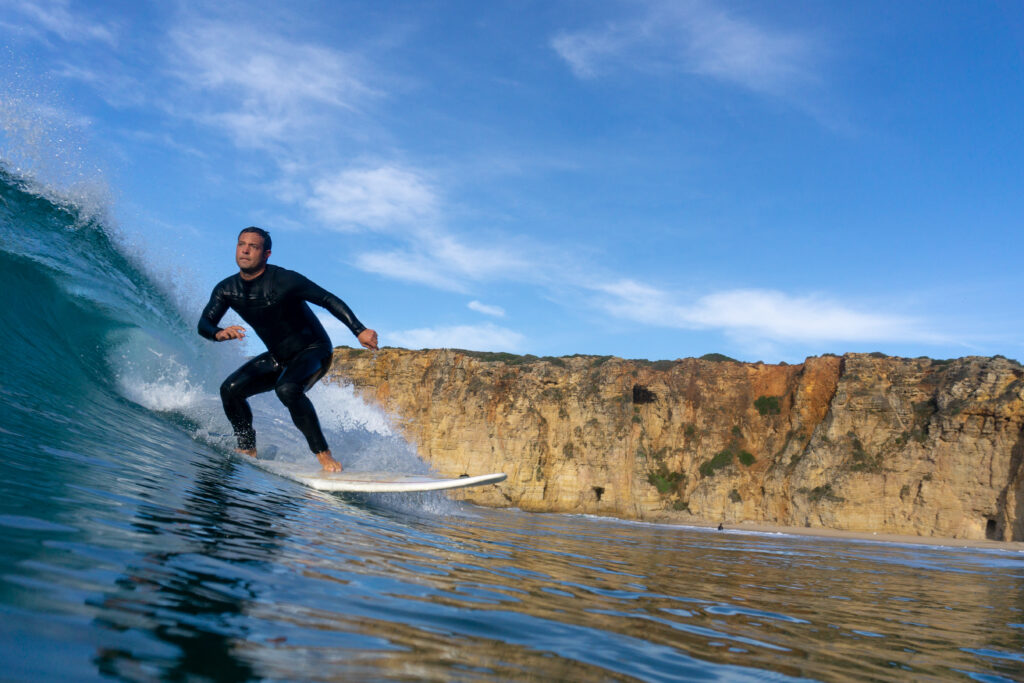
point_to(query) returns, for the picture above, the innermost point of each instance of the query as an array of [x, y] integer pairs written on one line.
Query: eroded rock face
[[859, 442]]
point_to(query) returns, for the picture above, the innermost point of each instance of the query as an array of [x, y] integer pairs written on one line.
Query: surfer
[[273, 301]]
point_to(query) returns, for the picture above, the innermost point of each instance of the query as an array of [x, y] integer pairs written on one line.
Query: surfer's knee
[[289, 392], [228, 389]]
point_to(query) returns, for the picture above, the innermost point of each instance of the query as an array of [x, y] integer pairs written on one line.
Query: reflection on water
[[193, 595], [221, 571]]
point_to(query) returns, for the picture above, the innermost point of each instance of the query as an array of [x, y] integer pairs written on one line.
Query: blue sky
[[655, 179]]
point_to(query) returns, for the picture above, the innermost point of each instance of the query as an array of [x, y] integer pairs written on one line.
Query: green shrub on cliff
[[496, 356], [510, 358], [819, 493], [725, 458], [721, 459], [860, 460], [666, 481], [718, 358], [767, 405], [656, 364]]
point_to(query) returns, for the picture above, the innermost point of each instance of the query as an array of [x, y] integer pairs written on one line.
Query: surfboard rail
[[372, 482]]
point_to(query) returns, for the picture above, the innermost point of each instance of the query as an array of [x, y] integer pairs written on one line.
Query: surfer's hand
[[368, 338], [233, 332]]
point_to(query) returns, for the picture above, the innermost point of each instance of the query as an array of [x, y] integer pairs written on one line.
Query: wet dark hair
[[262, 233]]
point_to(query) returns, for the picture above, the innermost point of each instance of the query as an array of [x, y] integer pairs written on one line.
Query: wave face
[[72, 302], [137, 547]]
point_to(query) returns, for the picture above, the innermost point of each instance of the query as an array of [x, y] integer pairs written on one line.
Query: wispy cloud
[[775, 315], [487, 337], [446, 262], [694, 36], [410, 267], [384, 197], [496, 311], [267, 89], [57, 18], [117, 87], [762, 315], [402, 203]]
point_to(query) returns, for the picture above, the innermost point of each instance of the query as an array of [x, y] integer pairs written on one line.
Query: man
[[273, 301]]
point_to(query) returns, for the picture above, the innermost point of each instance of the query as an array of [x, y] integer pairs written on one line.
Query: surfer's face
[[249, 253]]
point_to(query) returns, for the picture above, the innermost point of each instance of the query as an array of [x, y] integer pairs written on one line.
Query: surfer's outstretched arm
[[315, 294]]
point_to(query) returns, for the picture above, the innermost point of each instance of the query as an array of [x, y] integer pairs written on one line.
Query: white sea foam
[[165, 394], [340, 408]]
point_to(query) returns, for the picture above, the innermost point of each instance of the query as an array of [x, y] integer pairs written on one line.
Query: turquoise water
[[134, 546]]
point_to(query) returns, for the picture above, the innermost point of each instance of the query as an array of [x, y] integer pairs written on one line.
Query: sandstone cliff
[[859, 442]]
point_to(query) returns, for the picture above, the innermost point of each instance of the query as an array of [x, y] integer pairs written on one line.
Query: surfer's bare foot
[[328, 462], [251, 452]]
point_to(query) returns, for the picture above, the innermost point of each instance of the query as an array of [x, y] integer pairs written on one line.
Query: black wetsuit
[[299, 350]]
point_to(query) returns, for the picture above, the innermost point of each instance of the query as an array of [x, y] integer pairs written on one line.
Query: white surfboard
[[370, 482]]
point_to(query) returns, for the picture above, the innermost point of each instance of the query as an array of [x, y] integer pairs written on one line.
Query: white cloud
[[116, 87], [697, 37], [761, 315], [445, 262], [269, 89], [734, 50], [402, 202], [496, 311], [409, 267], [377, 198], [55, 17], [632, 300], [476, 262], [586, 51], [487, 337], [775, 315]]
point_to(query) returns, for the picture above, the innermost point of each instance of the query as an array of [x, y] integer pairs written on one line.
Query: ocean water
[[136, 547]]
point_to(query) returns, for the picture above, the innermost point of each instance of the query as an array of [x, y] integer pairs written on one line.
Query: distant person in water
[[273, 301]]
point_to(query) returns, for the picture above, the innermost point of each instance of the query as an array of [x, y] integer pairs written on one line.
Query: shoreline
[[840, 534]]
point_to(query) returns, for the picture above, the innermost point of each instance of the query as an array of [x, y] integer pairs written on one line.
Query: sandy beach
[[857, 535]]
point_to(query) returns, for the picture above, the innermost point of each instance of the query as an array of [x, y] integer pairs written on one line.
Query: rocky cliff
[[861, 442]]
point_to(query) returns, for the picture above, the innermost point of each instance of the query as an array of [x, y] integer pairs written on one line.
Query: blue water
[[136, 547]]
